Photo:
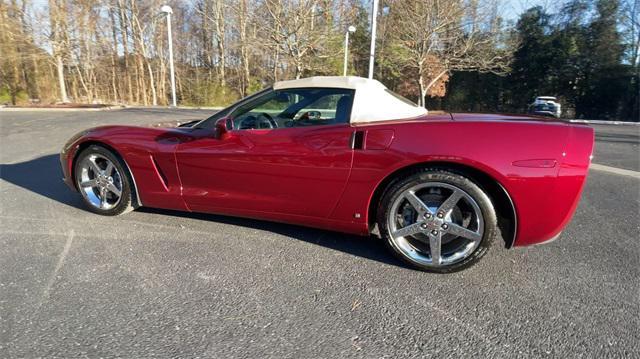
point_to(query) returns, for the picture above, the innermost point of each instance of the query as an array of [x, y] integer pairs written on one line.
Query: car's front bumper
[[67, 154], [66, 164]]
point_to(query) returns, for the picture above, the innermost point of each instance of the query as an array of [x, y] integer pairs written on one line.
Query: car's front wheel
[[103, 181], [437, 220]]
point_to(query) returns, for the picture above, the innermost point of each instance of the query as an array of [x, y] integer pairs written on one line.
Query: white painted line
[[59, 264], [614, 170]]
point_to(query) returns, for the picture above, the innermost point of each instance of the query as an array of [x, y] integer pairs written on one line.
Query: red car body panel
[[312, 176]]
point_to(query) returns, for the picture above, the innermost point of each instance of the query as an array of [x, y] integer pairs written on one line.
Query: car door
[[289, 152]]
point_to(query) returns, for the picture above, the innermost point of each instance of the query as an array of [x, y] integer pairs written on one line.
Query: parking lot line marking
[[59, 264], [615, 170]]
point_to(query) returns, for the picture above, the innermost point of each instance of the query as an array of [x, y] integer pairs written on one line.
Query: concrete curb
[[599, 122], [108, 108]]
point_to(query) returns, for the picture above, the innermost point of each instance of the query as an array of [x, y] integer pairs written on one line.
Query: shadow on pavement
[[43, 176], [367, 247]]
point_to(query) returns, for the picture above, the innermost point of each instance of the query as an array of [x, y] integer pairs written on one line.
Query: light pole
[[374, 18], [351, 29], [167, 10]]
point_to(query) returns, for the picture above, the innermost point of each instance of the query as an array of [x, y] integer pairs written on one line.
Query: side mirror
[[223, 126]]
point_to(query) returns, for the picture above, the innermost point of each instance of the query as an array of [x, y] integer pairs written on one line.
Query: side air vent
[[159, 172], [357, 141]]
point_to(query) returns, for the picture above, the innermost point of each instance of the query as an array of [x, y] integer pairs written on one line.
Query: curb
[[60, 109], [600, 122], [107, 108]]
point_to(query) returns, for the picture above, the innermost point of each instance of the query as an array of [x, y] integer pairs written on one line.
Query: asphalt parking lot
[[168, 284]]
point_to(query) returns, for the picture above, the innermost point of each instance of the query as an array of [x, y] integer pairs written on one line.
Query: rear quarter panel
[[544, 196]]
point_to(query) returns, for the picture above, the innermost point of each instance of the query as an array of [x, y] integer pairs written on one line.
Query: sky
[[511, 9]]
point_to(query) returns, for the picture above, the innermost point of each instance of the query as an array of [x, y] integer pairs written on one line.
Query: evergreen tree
[[533, 60], [605, 74], [359, 42]]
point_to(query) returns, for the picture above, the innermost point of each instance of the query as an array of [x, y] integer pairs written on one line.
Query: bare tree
[[242, 14], [450, 35], [58, 23], [143, 58], [213, 14], [292, 30], [98, 50], [124, 35], [219, 21]]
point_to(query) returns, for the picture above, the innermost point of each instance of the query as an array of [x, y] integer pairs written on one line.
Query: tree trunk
[[114, 55], [63, 89], [36, 75], [423, 90], [139, 48], [124, 33], [298, 64], [55, 21], [244, 53], [276, 58], [162, 68], [220, 34], [154, 95], [430, 84], [29, 77]]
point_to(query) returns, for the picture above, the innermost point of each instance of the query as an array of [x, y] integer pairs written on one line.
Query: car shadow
[[370, 247], [43, 176]]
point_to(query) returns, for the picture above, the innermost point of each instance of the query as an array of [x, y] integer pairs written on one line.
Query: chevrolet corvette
[[347, 154]]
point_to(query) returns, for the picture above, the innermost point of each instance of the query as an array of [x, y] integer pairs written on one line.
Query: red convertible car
[[346, 154]]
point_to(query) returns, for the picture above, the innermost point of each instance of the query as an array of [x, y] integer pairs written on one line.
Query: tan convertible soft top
[[372, 101]]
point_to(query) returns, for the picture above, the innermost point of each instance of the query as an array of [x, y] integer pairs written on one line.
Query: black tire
[[397, 187], [125, 203]]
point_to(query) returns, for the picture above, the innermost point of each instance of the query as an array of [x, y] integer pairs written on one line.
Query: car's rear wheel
[[437, 220], [103, 181]]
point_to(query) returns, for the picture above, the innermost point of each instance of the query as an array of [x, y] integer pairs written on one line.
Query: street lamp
[[168, 11], [351, 29], [374, 17]]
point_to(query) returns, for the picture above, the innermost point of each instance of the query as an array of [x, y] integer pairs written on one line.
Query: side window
[[295, 108], [334, 108]]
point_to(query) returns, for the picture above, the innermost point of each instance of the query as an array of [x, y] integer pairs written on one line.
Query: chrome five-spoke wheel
[[100, 182], [435, 221], [103, 181], [436, 224]]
